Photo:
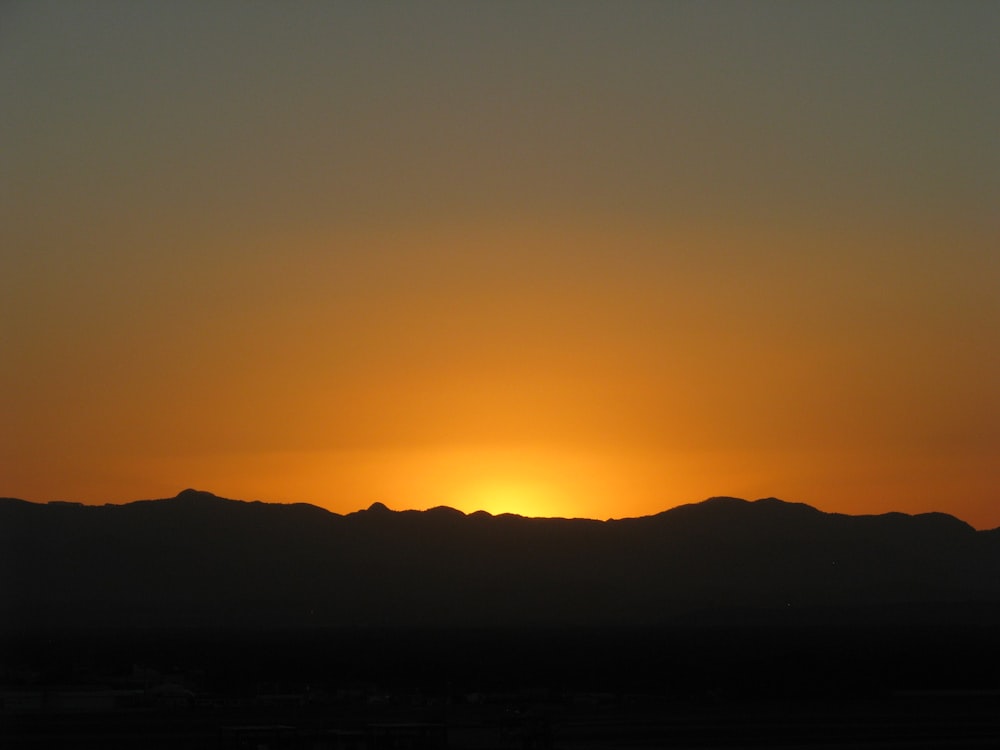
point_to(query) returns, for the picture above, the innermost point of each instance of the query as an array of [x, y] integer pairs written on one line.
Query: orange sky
[[580, 260]]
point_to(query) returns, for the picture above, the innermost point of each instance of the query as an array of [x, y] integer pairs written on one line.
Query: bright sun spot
[[522, 498]]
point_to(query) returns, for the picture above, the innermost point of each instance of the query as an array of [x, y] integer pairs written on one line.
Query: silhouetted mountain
[[198, 560]]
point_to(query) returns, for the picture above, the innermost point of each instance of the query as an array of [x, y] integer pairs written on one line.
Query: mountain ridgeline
[[201, 561]]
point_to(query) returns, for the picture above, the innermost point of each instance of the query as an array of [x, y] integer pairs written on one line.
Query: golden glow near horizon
[[576, 260]]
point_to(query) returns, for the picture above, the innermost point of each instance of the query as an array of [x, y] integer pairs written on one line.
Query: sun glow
[[523, 498]]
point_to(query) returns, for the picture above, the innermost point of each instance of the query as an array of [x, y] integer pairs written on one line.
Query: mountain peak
[[724, 500], [192, 494], [445, 511], [378, 507]]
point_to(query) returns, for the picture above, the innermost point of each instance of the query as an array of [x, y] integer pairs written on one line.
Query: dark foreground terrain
[[201, 561], [707, 686], [202, 622]]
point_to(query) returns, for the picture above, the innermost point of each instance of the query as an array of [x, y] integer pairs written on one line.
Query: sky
[[590, 259]]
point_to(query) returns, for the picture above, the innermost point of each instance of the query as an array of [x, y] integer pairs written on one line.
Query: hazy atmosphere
[[577, 259]]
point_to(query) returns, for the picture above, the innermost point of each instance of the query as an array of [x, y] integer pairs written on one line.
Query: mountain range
[[201, 561]]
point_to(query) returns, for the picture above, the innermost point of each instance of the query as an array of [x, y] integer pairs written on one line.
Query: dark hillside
[[198, 560]]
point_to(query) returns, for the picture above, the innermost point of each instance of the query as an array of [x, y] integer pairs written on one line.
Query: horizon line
[[379, 506]]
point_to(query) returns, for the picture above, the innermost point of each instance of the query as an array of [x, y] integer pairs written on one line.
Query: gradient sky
[[579, 259]]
